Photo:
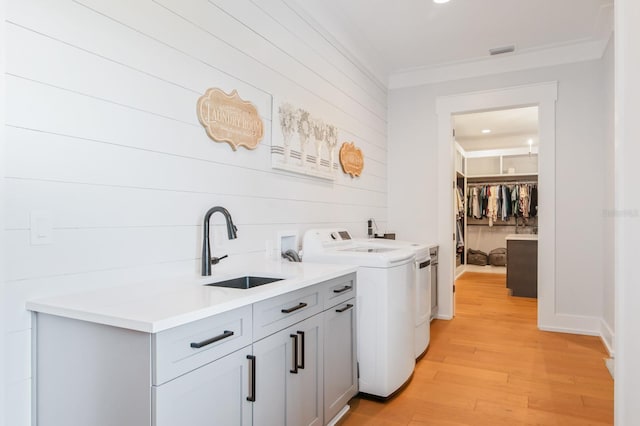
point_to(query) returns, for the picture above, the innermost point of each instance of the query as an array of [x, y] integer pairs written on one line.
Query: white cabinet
[[289, 376], [260, 364], [215, 394], [340, 362]]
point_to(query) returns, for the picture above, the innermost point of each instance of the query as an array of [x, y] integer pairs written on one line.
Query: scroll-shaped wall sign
[[228, 118], [351, 159]]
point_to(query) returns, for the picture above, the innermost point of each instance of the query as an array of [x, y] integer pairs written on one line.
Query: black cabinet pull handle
[[295, 308], [252, 378], [343, 289], [425, 264], [294, 355], [346, 308], [301, 365], [217, 338]]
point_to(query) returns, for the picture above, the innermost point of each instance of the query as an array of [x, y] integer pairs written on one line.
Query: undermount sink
[[245, 282]]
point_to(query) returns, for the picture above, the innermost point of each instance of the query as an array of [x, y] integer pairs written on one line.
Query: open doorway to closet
[[496, 197], [544, 96]]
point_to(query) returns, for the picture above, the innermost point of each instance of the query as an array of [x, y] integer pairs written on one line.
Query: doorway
[[496, 151], [543, 96], [495, 199]]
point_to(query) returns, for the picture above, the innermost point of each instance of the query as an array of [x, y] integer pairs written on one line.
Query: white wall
[[487, 238], [579, 171], [608, 247], [102, 133], [2, 208], [627, 223], [413, 163]]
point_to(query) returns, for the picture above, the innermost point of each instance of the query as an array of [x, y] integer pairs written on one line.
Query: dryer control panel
[[341, 235]]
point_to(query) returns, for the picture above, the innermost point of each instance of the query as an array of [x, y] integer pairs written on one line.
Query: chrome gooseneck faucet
[[207, 260]]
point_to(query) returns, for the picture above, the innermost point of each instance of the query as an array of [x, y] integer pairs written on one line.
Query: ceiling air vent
[[501, 50]]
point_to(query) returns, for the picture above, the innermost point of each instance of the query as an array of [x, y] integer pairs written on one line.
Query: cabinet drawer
[[279, 312], [338, 290], [182, 349]]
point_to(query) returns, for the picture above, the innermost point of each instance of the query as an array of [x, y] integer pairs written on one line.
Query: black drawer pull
[[301, 334], [425, 264], [294, 355], [343, 289], [252, 378], [346, 308], [224, 335], [295, 308]]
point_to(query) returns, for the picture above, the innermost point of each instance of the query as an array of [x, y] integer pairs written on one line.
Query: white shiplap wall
[[101, 132]]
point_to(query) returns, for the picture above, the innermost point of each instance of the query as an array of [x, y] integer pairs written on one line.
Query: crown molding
[[559, 55], [317, 18]]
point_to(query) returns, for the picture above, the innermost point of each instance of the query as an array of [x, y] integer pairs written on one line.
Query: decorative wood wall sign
[[351, 159], [302, 143], [228, 118]]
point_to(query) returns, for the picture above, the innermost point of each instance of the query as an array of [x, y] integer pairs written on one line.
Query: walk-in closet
[[496, 195]]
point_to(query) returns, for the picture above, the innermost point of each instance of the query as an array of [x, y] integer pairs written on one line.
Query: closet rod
[[526, 182], [500, 223]]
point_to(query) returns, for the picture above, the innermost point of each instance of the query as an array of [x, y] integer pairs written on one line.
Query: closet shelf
[[501, 176]]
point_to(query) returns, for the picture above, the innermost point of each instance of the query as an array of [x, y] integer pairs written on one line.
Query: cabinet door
[[272, 364], [288, 390], [340, 357], [304, 390], [214, 394]]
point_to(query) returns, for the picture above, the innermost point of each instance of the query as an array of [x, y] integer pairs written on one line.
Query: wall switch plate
[[41, 227]]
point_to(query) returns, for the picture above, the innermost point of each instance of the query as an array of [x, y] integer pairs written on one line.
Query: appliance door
[[423, 304], [434, 283], [385, 328]]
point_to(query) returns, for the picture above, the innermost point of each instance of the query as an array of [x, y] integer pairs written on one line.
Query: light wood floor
[[492, 366]]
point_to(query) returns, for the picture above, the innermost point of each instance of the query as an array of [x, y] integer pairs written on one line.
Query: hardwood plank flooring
[[492, 366]]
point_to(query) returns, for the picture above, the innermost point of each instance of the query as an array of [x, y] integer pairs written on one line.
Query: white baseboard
[[338, 416], [573, 324], [607, 335], [459, 271], [609, 362]]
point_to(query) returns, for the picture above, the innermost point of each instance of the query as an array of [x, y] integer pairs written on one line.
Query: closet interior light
[[485, 131], [440, 1]]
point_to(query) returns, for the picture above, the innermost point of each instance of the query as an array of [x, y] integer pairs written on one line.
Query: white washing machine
[[385, 289], [422, 289]]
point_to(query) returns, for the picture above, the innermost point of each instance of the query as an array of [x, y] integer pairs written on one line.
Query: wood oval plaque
[[229, 118], [351, 159]]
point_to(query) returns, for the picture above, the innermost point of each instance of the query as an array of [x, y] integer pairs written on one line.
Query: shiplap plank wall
[[101, 131]]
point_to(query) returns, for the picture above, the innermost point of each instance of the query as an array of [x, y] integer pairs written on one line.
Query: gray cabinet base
[[522, 268]]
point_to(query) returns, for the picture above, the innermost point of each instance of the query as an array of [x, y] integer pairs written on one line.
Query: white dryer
[[385, 290], [422, 289]]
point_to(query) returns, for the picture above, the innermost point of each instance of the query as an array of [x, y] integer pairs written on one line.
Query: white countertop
[[522, 237], [159, 305]]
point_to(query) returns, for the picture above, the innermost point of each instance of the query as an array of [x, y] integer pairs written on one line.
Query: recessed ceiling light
[[485, 131], [440, 1]]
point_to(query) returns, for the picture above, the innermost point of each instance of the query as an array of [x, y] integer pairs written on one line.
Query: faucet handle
[[216, 260]]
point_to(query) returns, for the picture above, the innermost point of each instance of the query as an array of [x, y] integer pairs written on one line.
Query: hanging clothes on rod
[[501, 201], [459, 197], [460, 213]]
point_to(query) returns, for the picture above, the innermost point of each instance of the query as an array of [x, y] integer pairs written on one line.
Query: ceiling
[[511, 128], [392, 36]]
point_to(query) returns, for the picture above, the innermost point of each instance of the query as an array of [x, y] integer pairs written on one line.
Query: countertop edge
[[522, 237], [59, 307]]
